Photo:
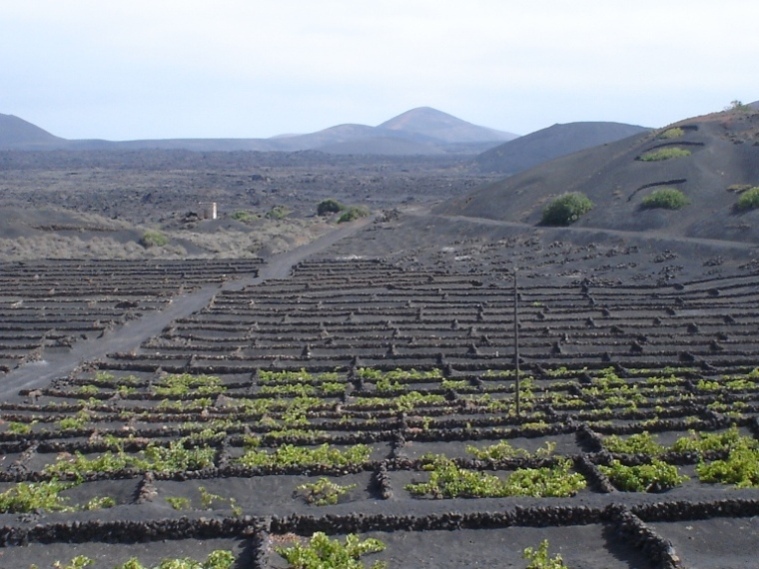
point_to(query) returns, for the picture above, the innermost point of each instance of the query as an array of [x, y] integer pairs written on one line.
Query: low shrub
[[353, 213], [707, 442], [447, 480], [31, 496], [654, 477], [277, 212], [321, 552], [323, 492], [738, 188], [539, 558], [639, 443], [153, 238], [243, 216], [665, 198], [738, 105], [218, 559], [178, 502], [329, 206], [675, 132], [667, 153], [748, 200], [740, 468], [291, 455], [503, 451], [566, 209]]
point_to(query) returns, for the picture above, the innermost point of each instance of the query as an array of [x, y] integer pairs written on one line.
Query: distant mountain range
[[418, 131]]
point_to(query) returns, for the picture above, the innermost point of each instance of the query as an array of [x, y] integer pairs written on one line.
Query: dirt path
[[647, 235], [54, 363]]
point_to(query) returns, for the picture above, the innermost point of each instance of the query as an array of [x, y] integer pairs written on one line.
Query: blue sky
[[256, 68]]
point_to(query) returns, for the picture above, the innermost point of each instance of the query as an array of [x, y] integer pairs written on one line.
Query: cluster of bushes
[[347, 213]]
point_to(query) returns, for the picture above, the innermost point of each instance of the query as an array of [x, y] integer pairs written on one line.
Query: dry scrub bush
[[268, 237], [72, 247]]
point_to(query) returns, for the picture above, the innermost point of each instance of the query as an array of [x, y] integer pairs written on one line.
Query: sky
[[148, 69]]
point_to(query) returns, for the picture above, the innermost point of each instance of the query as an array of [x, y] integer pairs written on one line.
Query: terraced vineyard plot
[[49, 305], [359, 398], [328, 316]]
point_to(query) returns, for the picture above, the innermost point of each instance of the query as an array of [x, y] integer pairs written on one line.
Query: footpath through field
[[648, 235], [54, 364]]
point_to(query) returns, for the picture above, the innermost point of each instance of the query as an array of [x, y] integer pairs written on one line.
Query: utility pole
[[516, 341]]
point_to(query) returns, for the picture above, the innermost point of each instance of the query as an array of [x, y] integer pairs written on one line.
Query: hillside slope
[[18, 133], [724, 155], [552, 142]]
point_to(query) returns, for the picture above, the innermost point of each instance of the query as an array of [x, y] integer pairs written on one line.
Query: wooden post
[[516, 342]]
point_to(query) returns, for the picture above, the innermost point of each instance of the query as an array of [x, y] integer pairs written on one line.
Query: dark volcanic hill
[[437, 125], [418, 131], [724, 158], [549, 143], [18, 133]]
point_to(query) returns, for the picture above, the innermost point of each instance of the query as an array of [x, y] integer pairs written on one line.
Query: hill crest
[[721, 158], [18, 133], [437, 124], [558, 140]]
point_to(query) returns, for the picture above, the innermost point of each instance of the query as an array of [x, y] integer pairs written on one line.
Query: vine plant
[[290, 455], [540, 559], [321, 552], [323, 492], [447, 480], [657, 476]]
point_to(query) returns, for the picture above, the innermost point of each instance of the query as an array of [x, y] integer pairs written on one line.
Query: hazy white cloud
[[246, 68]]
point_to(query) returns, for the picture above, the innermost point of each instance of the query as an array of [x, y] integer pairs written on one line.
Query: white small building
[[208, 210]]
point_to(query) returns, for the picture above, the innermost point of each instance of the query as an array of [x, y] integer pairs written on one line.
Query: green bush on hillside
[[748, 200], [667, 153], [566, 209], [665, 198]]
